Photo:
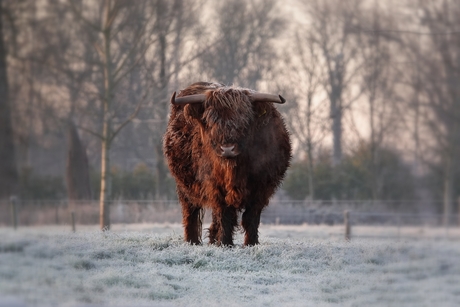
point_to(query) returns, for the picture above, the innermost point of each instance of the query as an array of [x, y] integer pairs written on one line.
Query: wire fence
[[362, 216]]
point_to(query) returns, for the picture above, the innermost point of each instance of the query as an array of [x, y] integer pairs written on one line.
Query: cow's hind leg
[[250, 222], [192, 221]]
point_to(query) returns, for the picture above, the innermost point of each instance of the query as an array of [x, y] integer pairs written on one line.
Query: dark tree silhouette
[[8, 171], [77, 172]]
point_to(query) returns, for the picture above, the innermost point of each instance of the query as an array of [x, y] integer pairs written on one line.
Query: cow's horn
[[199, 98], [263, 97]]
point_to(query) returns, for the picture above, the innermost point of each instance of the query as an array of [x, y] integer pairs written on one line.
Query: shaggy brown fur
[[226, 185]]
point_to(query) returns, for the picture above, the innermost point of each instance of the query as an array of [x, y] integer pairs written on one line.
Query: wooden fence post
[[14, 211], [72, 218], [346, 219]]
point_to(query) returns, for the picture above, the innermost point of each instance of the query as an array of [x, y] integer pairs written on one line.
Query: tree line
[[373, 98]]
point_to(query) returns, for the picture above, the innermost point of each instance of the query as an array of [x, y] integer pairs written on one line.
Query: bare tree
[[169, 53], [144, 54], [441, 94], [175, 21], [378, 81], [116, 50], [37, 49], [332, 24], [305, 113], [243, 51]]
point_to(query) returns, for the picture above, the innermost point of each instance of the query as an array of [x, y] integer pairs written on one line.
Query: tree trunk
[[373, 148], [450, 166], [106, 179], [160, 167], [8, 172], [311, 189], [336, 114], [448, 191], [106, 184], [160, 172]]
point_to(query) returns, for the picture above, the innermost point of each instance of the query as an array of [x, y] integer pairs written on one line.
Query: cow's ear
[[261, 109], [194, 111]]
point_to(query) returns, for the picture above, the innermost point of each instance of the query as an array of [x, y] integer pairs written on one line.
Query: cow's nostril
[[228, 151]]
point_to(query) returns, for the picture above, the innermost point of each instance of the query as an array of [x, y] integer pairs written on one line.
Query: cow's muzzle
[[229, 150]]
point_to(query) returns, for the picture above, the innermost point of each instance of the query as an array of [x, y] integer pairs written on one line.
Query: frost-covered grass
[[293, 266]]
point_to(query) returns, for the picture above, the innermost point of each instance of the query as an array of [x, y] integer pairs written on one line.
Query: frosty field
[[149, 265]]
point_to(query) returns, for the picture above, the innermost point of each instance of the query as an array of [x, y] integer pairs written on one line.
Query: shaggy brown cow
[[228, 149]]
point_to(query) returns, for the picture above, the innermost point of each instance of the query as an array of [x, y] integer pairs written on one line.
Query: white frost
[[293, 266]]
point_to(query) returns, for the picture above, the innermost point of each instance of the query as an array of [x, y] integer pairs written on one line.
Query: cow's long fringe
[[234, 100]]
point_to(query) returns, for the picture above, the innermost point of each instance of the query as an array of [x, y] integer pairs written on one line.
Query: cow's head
[[225, 116]]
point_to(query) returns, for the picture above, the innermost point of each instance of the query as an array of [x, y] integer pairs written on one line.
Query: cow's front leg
[[191, 219], [214, 228], [227, 218], [250, 222]]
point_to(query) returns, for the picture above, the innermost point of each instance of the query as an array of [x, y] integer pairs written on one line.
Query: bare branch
[[129, 119], [80, 16], [99, 136]]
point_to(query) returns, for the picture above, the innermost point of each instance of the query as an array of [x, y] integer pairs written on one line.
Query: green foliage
[[357, 177], [296, 180], [138, 184], [383, 175], [39, 187]]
